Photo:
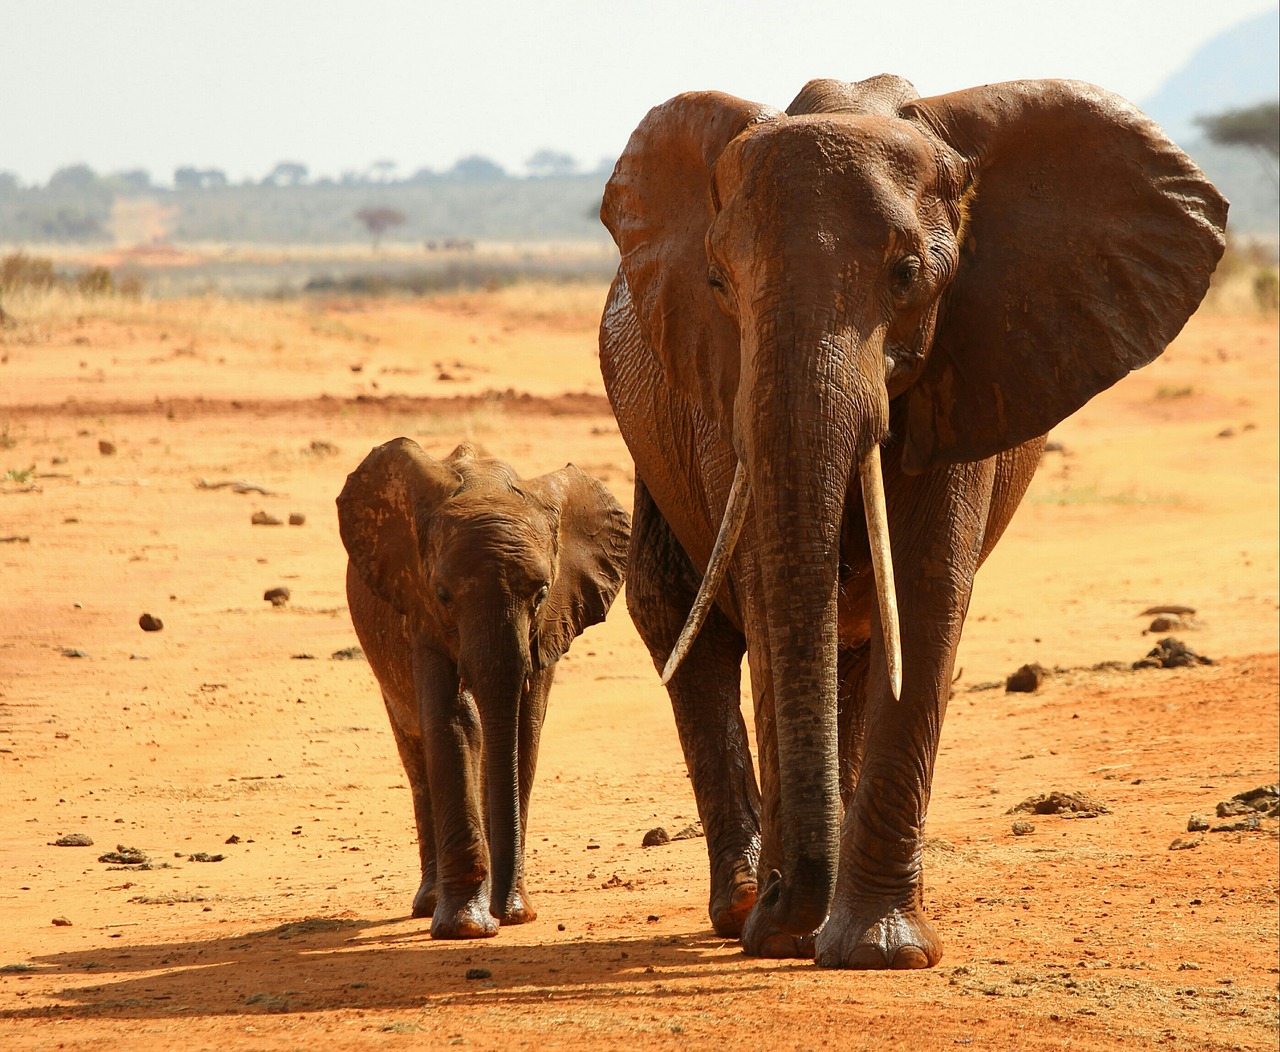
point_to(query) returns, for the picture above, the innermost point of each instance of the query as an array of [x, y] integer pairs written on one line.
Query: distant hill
[[1239, 67]]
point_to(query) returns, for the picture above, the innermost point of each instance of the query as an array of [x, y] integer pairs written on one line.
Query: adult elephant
[[466, 584], [870, 277]]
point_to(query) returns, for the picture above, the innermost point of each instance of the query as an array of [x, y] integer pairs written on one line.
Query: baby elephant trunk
[[499, 688]]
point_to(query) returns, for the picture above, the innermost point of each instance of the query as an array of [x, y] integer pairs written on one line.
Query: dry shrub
[[1246, 282]]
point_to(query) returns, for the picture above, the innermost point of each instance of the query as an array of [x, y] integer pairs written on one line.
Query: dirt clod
[[61, 922], [73, 840], [150, 623], [1023, 828], [1171, 653], [106, 448], [1186, 843], [277, 596], [656, 837], [479, 973], [296, 518], [347, 654], [1027, 679], [1241, 825], [204, 856], [262, 518], [125, 856], [1060, 803], [1197, 824]]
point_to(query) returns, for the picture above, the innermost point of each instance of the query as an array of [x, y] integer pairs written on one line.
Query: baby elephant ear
[[592, 535], [381, 512], [1088, 241]]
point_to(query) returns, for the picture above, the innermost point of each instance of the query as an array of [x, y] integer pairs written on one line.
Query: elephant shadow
[[365, 964]]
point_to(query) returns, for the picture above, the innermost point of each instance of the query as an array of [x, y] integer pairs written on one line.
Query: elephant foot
[[519, 909], [878, 934], [464, 917], [729, 910], [424, 902], [762, 938]]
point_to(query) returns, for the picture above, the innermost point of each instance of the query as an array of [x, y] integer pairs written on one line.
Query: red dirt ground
[[1089, 933]]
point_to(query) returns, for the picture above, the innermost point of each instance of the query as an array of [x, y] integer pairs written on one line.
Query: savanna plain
[[243, 751]]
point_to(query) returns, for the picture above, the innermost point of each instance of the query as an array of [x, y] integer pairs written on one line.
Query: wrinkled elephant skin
[[936, 280]]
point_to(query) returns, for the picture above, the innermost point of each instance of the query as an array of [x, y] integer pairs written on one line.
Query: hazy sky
[[337, 85]]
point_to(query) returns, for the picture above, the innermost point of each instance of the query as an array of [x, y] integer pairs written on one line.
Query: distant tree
[[477, 169], [9, 182], [378, 221], [382, 171], [135, 180], [75, 177], [1255, 127], [189, 178], [422, 175], [286, 173], [548, 164]]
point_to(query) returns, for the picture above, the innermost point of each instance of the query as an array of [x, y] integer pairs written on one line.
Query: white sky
[[336, 84]]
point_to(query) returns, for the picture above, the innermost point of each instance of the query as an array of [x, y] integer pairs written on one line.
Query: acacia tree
[[379, 220], [1255, 127]]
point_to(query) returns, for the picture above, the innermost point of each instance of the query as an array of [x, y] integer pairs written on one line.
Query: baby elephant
[[466, 584]]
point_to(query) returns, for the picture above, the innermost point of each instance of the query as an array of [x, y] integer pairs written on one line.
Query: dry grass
[[548, 303]]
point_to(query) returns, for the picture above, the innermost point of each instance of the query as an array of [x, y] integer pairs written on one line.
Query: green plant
[[20, 475]]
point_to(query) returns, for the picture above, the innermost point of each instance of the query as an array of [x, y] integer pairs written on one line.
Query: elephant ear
[[1090, 240], [592, 533], [658, 207], [382, 512]]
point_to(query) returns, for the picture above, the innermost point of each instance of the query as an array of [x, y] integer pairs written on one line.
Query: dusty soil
[[233, 734]]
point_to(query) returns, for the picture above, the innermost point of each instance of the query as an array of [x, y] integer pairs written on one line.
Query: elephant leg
[[415, 767], [706, 701], [451, 726], [877, 917]]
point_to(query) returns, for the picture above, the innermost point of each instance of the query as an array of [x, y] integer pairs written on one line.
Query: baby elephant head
[[465, 549]]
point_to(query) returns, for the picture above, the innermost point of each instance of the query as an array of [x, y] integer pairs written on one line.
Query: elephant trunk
[[816, 409], [498, 685]]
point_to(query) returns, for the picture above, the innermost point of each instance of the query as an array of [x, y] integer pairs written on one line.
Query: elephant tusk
[[882, 566], [735, 514]]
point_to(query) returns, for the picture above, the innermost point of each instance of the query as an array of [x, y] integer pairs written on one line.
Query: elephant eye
[[443, 594], [904, 275], [541, 597], [715, 279]]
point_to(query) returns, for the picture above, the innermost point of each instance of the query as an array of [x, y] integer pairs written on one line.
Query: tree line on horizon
[[473, 168]]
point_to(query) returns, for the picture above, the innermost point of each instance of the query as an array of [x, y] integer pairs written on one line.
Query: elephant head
[[496, 574], [984, 262]]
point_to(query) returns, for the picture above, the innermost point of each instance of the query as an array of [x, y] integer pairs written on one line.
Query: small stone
[[656, 837], [261, 518], [1027, 679], [296, 518], [106, 448], [1023, 828], [277, 596], [479, 973], [1186, 843], [204, 856], [1197, 824], [1174, 622], [73, 652], [347, 654], [150, 623], [690, 832], [73, 840], [1171, 653], [232, 839], [1241, 825], [1231, 808], [61, 922]]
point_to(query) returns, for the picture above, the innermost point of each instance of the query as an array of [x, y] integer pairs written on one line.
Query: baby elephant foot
[[463, 916], [878, 935]]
